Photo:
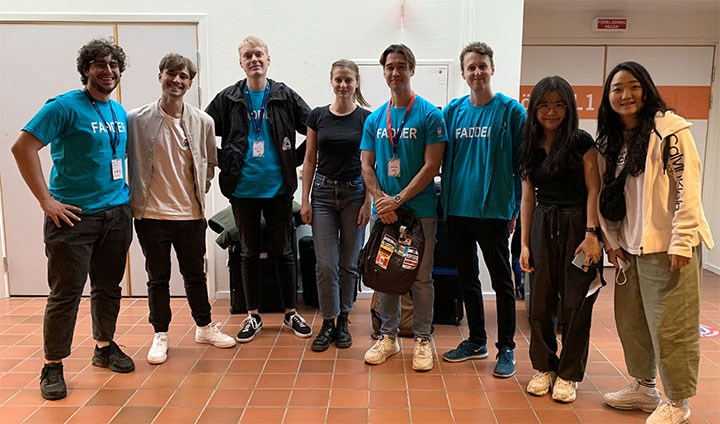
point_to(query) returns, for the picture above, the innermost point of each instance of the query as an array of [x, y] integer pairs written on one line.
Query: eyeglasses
[[546, 107], [101, 64]]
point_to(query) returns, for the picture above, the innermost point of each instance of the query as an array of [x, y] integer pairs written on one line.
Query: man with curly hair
[[87, 214]]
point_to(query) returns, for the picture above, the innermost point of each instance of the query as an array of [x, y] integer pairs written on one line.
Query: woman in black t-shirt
[[338, 208], [558, 165]]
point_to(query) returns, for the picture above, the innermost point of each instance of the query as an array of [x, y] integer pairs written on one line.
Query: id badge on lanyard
[[394, 167], [258, 149]]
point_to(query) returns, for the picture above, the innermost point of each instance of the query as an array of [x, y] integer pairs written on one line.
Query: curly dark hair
[[562, 153], [611, 133], [99, 47]]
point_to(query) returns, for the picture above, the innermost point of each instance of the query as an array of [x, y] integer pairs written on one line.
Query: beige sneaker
[[634, 396], [382, 350], [670, 413], [422, 355], [541, 383], [564, 390], [211, 334], [158, 351]]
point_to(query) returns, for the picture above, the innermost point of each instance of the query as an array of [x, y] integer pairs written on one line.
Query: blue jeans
[[337, 239], [422, 290], [96, 246], [157, 238]]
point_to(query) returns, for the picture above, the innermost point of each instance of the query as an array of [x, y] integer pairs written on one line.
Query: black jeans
[[555, 234], [156, 237], [96, 246], [277, 212], [492, 236]]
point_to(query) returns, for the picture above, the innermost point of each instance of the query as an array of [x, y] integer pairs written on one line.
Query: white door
[[145, 45], [35, 72]]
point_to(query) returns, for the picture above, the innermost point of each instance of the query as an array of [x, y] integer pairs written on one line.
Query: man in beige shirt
[[172, 159]]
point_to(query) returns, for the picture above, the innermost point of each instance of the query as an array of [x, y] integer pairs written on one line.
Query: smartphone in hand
[[579, 261]]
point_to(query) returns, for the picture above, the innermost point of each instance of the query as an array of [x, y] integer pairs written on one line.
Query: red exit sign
[[610, 24]]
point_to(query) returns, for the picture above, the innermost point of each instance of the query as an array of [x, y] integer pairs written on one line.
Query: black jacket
[[286, 112]]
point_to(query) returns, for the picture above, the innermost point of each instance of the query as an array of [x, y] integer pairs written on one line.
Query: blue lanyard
[[112, 132], [256, 121]]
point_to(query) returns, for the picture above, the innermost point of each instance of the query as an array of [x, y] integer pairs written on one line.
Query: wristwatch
[[398, 199], [594, 230]]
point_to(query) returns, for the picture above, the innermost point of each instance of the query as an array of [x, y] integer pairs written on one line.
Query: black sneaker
[[112, 357], [52, 382], [325, 336], [297, 324], [343, 339], [251, 327]]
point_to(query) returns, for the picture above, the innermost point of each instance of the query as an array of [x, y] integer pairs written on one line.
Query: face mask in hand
[[621, 273]]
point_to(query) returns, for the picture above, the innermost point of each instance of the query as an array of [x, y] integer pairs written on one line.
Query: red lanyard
[[392, 139]]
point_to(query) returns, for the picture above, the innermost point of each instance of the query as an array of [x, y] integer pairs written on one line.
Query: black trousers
[[492, 236], [555, 234], [96, 246], [156, 238], [277, 212]]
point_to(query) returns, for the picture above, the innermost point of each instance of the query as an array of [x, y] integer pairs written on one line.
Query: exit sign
[[610, 24]]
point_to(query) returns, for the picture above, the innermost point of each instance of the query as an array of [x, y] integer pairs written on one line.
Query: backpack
[[390, 259]]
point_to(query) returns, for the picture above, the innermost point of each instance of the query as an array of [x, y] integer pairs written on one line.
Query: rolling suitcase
[[448, 305], [270, 294]]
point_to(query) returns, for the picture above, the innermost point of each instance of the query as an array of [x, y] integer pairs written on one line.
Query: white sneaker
[[382, 350], [670, 413], [541, 383], [211, 334], [564, 390], [158, 351], [422, 355], [634, 396]]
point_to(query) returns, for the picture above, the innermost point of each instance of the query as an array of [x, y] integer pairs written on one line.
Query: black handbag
[[612, 198], [390, 259]]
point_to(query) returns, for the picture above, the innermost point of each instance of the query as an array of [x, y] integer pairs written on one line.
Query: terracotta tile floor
[[277, 378]]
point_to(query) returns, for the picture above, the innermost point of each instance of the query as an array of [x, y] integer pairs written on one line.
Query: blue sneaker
[[505, 366], [466, 350]]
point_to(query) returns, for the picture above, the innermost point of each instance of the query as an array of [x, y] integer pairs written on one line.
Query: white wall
[[304, 37], [658, 22]]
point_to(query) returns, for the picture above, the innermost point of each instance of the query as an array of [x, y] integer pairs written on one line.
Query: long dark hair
[[562, 153], [611, 134]]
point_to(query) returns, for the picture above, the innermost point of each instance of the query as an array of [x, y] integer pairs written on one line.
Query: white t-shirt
[[631, 229]]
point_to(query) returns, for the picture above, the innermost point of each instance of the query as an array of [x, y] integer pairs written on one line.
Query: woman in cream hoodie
[[656, 245]]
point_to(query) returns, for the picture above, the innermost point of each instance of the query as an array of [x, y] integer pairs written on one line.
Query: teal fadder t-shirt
[[424, 125], [81, 151], [260, 175]]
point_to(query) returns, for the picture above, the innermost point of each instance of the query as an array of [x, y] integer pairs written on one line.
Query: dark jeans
[[96, 246], [156, 237], [492, 236], [554, 236], [337, 239], [277, 212]]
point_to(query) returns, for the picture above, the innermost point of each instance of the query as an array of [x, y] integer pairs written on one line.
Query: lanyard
[[393, 141], [112, 130], [256, 121]]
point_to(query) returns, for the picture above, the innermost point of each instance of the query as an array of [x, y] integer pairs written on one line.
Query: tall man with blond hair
[[257, 120]]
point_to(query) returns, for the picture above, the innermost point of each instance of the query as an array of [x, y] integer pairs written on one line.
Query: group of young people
[[496, 161]]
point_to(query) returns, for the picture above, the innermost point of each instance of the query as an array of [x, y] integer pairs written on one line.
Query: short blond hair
[[254, 41]]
